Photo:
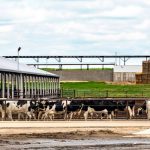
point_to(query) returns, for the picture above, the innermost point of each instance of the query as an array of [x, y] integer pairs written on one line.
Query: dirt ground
[[72, 129]]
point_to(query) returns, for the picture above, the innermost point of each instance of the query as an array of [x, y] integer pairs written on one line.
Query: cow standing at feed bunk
[[23, 108], [108, 108], [66, 109], [145, 108]]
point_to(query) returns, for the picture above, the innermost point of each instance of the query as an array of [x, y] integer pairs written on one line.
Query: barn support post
[[28, 87], [25, 86], [49, 87], [52, 86], [17, 89], [21, 86], [47, 90], [8, 90], [12, 86], [58, 91], [34, 77], [32, 87], [40, 86], [45, 86], [3, 85], [57, 87]]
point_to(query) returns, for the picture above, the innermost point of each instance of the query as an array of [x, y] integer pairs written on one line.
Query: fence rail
[[103, 94]]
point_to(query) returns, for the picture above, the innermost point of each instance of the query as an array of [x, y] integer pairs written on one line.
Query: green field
[[101, 89]]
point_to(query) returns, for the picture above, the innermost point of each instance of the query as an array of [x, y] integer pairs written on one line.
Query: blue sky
[[74, 27]]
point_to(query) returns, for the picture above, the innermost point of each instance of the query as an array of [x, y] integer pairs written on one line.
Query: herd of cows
[[70, 109]]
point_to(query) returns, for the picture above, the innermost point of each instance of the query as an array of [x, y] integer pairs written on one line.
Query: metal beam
[[73, 64], [79, 56]]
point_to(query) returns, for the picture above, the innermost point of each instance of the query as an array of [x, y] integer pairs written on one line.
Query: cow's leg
[[71, 116], [133, 111], [33, 115], [29, 115], [3, 115], [51, 116], [91, 114], [10, 116], [43, 116], [19, 116], [113, 114], [109, 116], [86, 115], [101, 115], [40, 114], [129, 112]]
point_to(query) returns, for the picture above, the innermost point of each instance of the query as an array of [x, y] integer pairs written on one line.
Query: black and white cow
[[58, 108], [96, 107], [2, 109], [145, 108], [128, 106], [73, 109], [107, 108], [22, 108]]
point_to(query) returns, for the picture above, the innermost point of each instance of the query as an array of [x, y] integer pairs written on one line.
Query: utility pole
[[19, 48]]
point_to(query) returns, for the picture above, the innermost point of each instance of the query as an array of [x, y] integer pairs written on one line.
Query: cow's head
[[139, 111]]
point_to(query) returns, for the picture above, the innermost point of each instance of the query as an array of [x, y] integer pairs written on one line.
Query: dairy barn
[[22, 81]]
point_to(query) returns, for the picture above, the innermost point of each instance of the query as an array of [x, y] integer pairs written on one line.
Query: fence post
[[142, 93], [107, 94], [74, 93], [126, 92], [62, 92]]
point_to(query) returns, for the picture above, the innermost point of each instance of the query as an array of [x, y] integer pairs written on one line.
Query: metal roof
[[8, 65]]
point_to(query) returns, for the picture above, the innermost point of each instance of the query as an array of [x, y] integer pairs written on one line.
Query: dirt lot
[[72, 129]]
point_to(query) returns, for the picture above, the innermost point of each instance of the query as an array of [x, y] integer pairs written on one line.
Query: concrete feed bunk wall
[[85, 75]]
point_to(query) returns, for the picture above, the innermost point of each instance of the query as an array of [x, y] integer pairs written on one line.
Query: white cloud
[[143, 25], [120, 11], [6, 28], [70, 27]]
